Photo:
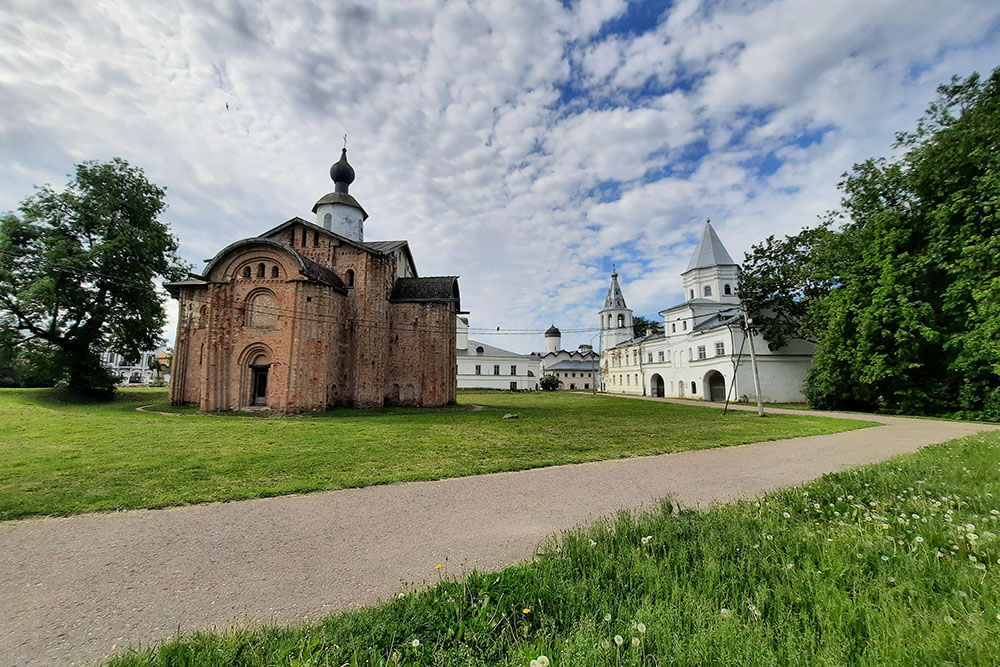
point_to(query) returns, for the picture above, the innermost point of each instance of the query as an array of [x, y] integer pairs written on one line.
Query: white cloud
[[479, 130]]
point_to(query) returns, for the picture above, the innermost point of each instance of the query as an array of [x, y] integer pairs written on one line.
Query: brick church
[[309, 315]]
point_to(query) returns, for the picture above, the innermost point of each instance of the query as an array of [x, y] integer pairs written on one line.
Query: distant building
[[703, 352], [308, 315], [482, 366], [575, 369], [134, 372]]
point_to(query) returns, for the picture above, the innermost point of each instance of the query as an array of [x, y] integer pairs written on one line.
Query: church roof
[[573, 365], [307, 268], [614, 300], [710, 251], [552, 332], [340, 198], [718, 320], [374, 247], [430, 289], [488, 351]]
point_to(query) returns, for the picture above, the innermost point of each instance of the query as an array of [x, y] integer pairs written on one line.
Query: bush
[[549, 382]]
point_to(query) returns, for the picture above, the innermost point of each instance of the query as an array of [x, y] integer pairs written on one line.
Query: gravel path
[[74, 590]]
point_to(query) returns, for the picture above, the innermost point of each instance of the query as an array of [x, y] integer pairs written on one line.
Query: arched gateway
[[715, 386], [656, 385]]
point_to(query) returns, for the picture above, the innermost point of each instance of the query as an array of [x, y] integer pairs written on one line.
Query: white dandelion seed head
[[619, 640], [641, 628], [786, 515], [607, 618], [415, 643], [725, 613], [919, 538], [543, 661], [533, 663], [635, 641]]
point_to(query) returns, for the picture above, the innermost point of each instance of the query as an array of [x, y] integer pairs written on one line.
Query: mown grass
[[895, 563], [58, 457]]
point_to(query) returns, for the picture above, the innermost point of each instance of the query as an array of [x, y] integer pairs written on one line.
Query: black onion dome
[[342, 171], [552, 331]]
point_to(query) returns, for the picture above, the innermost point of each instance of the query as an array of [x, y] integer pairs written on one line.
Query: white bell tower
[[616, 318]]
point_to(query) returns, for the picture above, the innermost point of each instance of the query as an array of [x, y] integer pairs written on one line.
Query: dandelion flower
[[635, 641], [618, 640], [415, 643], [525, 611], [641, 628], [533, 663], [438, 566], [786, 515], [919, 538], [543, 661], [885, 526], [607, 618]]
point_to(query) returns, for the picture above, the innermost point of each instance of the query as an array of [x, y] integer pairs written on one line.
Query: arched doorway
[[260, 368], [656, 385], [715, 386]]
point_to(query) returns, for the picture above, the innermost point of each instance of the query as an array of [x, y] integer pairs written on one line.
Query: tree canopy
[[78, 271], [640, 324], [901, 287]]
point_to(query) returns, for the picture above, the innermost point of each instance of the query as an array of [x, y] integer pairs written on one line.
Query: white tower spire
[[616, 317], [711, 274]]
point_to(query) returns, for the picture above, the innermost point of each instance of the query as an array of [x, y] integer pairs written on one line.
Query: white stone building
[[703, 352], [575, 369], [135, 372], [482, 366]]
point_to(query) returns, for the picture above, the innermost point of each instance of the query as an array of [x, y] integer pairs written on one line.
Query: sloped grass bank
[[64, 458], [895, 563]]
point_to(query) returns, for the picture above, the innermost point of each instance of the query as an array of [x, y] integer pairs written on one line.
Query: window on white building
[[649, 357], [708, 290], [685, 325], [701, 352], [720, 349], [513, 370], [673, 327], [479, 369], [496, 370], [727, 289], [661, 355]]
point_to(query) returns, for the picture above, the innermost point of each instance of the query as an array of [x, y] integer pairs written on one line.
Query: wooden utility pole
[[753, 362]]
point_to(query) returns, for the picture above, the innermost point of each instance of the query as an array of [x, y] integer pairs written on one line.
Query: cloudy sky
[[524, 145]]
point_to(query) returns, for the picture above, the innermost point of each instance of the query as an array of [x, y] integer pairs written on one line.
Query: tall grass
[[895, 563]]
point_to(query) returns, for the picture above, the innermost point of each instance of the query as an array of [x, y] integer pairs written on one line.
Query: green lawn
[[891, 564], [63, 458]]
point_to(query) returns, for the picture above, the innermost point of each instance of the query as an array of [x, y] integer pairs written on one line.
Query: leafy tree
[[640, 324], [904, 298], [548, 382], [78, 271], [783, 281]]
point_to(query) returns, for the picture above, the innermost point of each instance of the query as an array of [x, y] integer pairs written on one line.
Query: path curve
[[74, 590]]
